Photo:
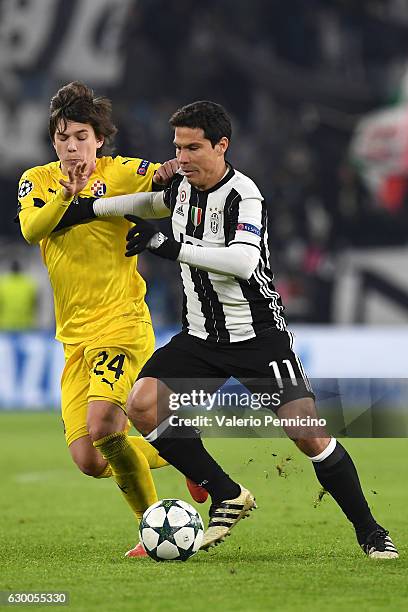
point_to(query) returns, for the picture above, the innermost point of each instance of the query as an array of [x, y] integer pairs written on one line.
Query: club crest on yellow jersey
[[98, 188]]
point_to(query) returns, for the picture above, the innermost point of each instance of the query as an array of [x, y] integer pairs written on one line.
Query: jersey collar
[[227, 177]]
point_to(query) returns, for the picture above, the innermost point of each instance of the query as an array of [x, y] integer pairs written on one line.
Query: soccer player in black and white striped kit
[[233, 323]]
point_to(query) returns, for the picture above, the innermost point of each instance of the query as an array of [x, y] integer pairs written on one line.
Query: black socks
[[338, 475], [182, 447]]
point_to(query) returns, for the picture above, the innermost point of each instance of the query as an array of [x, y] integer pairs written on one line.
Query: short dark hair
[[211, 117], [77, 102]]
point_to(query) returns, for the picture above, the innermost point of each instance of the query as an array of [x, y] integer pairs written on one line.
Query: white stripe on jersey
[[263, 281], [237, 319], [195, 315], [281, 323], [230, 309], [252, 216]]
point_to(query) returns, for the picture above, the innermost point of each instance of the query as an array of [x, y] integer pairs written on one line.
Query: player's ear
[[99, 142], [222, 145]]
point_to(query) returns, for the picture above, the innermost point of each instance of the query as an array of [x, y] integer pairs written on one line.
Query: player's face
[[200, 162], [76, 143]]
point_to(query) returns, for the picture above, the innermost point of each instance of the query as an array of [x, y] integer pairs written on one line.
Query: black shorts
[[265, 364]]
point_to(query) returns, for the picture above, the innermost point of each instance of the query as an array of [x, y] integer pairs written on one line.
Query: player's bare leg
[[182, 447], [337, 474], [91, 462], [88, 459]]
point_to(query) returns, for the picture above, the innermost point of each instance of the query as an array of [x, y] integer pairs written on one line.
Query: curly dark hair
[[77, 102], [211, 117]]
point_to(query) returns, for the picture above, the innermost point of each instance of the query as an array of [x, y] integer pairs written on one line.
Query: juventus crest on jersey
[[219, 307]]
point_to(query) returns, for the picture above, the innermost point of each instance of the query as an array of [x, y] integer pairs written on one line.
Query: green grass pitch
[[61, 530]]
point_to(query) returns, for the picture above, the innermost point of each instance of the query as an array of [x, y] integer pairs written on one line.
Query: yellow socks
[[130, 470], [151, 454], [107, 472], [153, 458]]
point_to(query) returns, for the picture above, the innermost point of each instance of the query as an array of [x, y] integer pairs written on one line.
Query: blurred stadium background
[[318, 92]]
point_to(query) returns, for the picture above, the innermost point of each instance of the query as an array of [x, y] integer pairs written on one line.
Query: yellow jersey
[[94, 284]]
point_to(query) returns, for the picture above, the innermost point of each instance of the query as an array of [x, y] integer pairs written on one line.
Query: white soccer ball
[[171, 529]]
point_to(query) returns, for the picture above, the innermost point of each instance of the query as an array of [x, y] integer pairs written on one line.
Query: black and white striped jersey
[[218, 307]]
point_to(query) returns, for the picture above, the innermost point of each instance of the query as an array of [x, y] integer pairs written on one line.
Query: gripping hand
[[144, 235]]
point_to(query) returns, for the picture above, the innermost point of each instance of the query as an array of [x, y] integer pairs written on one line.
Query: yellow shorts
[[104, 368]]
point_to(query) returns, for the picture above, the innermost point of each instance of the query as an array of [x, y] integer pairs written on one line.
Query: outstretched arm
[[114, 206], [145, 205], [237, 259]]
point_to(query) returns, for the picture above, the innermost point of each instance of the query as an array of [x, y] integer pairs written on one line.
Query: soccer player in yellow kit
[[101, 316]]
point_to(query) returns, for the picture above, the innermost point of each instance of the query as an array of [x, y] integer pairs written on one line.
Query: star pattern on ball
[[167, 533], [172, 529]]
